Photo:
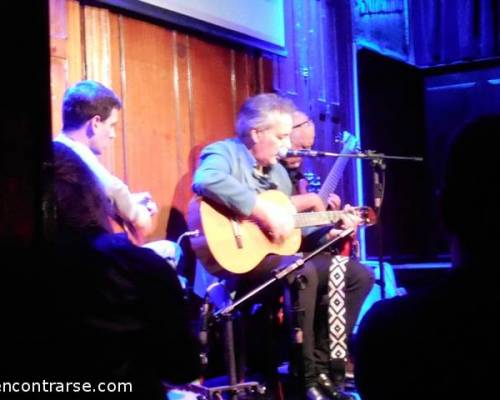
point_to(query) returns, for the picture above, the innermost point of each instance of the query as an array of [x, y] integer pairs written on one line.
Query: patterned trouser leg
[[337, 315]]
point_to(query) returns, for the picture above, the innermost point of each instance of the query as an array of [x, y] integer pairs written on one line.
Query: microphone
[[285, 152]]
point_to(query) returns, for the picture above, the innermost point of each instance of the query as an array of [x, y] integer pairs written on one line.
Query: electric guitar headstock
[[348, 140]]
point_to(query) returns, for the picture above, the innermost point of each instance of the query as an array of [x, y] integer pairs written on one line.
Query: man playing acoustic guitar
[[90, 113], [232, 175]]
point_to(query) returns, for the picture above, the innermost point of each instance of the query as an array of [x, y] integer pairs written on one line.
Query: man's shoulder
[[410, 312], [233, 150], [416, 299], [389, 309], [83, 151], [225, 145], [278, 168], [279, 175]]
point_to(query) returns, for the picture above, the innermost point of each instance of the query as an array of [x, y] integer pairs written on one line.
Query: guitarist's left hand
[[333, 201], [307, 202], [348, 220], [145, 199]]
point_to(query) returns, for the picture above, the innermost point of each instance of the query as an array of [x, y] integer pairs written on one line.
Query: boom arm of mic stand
[[363, 155], [281, 273]]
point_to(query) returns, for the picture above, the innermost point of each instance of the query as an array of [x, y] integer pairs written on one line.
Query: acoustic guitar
[[237, 245], [135, 234]]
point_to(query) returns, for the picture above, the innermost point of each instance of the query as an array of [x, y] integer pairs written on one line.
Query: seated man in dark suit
[[441, 342]]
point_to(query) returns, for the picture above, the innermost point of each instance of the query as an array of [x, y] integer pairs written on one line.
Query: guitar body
[[237, 245], [232, 244]]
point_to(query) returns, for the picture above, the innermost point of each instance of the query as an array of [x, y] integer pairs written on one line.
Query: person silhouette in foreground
[[441, 342], [107, 310]]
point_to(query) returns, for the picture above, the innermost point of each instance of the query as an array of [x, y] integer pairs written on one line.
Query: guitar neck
[[333, 178], [303, 220]]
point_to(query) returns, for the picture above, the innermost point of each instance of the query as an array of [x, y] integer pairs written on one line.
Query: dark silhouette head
[[468, 195]]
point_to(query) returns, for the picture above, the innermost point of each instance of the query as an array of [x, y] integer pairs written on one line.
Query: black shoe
[[333, 391], [313, 393]]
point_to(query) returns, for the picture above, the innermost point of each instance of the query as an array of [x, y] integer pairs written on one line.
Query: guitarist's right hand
[[277, 220]]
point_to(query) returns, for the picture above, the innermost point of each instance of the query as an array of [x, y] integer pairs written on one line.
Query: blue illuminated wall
[[429, 33], [383, 26], [423, 69], [411, 111]]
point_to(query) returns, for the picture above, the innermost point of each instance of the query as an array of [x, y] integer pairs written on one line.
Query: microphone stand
[[280, 274], [378, 172], [365, 154], [377, 163], [226, 315], [378, 166]]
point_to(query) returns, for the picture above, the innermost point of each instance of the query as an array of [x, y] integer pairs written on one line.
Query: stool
[[217, 296]]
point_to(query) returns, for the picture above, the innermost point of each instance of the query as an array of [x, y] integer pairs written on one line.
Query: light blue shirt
[[116, 190]]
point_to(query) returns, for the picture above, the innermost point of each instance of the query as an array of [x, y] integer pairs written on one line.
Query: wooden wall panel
[[179, 93], [266, 79], [211, 91], [184, 132], [58, 68], [149, 111], [183, 84], [97, 51], [65, 53], [244, 74], [119, 159], [97, 45], [74, 43]]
